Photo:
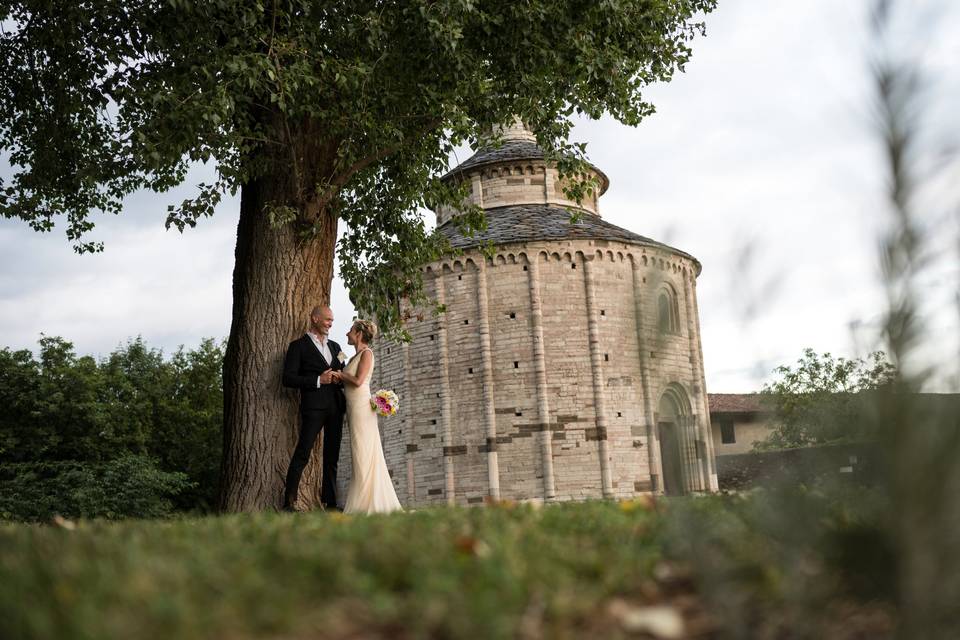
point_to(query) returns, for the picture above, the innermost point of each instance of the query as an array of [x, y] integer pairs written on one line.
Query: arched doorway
[[677, 449]]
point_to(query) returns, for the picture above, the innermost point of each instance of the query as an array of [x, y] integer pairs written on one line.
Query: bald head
[[321, 319]]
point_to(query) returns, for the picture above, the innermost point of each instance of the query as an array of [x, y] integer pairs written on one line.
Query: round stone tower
[[567, 366]]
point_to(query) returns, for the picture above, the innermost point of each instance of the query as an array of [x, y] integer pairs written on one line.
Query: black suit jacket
[[302, 366]]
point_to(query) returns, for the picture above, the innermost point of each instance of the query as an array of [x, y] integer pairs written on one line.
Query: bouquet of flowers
[[384, 402]]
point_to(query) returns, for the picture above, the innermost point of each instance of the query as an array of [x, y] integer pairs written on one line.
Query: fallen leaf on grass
[[640, 503], [659, 621], [472, 546], [672, 575], [502, 504], [63, 523]]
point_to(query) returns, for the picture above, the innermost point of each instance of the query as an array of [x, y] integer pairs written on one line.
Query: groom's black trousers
[[312, 422]]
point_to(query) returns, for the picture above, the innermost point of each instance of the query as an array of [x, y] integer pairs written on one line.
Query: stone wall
[[855, 461], [748, 428], [542, 380]]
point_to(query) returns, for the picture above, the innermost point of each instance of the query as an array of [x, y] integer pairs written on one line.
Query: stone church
[[568, 365]]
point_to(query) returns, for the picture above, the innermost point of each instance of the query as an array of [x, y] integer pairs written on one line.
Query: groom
[[308, 366]]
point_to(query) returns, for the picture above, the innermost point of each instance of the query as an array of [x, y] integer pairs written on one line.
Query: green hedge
[[71, 423], [127, 487]]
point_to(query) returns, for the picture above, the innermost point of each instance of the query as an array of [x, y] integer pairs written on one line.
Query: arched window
[[668, 316]]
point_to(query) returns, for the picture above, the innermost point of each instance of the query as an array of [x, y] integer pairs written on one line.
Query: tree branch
[[341, 179]]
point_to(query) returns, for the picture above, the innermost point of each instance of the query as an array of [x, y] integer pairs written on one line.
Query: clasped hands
[[330, 377]]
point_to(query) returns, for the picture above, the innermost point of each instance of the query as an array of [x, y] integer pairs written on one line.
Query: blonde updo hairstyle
[[367, 329]]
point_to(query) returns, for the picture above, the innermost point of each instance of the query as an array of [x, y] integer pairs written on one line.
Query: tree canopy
[[825, 399], [109, 437], [364, 99]]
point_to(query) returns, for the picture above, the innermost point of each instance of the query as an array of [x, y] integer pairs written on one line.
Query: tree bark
[[277, 280]]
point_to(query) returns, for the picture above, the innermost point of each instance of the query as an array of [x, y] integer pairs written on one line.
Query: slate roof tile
[[538, 222], [736, 403], [509, 151]]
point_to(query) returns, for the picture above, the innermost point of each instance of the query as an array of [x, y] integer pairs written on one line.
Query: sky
[[761, 161]]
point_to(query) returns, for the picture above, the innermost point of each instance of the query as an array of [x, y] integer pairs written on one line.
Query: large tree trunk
[[277, 279]]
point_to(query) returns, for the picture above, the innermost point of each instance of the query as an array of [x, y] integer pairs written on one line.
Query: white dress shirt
[[323, 346]]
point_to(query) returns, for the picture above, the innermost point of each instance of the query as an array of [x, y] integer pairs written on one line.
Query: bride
[[371, 489]]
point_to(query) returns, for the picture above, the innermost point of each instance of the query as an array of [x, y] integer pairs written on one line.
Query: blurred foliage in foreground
[[131, 435], [688, 567]]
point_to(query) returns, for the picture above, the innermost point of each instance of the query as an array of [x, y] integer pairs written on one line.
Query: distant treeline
[[135, 434]]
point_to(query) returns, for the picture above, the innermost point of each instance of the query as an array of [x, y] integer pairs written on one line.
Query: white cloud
[[762, 148]]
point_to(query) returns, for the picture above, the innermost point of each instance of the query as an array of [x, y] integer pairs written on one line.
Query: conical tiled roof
[[536, 213], [509, 151], [518, 143], [537, 222]]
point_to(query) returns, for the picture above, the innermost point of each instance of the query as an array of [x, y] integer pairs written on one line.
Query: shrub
[[129, 486], [64, 413]]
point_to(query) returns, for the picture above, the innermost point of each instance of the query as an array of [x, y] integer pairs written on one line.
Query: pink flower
[[384, 402]]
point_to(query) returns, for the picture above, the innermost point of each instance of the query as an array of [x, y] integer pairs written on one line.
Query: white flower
[[341, 357]]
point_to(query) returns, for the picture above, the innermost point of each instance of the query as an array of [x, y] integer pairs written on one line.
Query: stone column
[[692, 464], [696, 350], [698, 402], [446, 417], [411, 438], [477, 184], [489, 406], [653, 442], [540, 374], [548, 190], [596, 366]]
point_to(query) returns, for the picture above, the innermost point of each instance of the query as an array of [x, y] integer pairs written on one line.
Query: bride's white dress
[[371, 489]]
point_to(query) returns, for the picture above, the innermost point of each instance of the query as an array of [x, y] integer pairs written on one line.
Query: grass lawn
[[595, 569]]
